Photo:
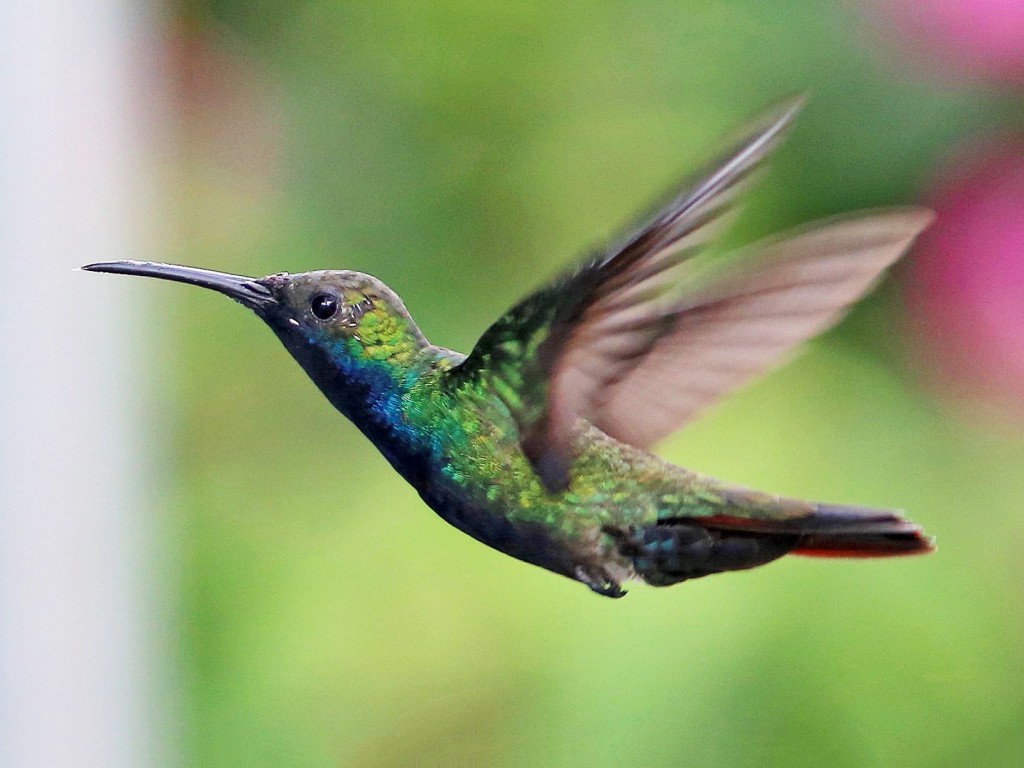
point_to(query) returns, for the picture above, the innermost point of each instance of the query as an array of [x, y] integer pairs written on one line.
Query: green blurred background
[[461, 151]]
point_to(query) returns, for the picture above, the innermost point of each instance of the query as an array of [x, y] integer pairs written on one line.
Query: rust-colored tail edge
[[838, 531], [864, 545]]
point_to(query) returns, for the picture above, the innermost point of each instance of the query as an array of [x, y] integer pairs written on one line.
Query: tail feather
[[763, 529], [837, 531]]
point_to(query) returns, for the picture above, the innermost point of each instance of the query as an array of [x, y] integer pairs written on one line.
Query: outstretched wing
[[609, 309], [629, 331], [743, 322]]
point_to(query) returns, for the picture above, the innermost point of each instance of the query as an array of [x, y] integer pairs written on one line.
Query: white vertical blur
[[82, 625]]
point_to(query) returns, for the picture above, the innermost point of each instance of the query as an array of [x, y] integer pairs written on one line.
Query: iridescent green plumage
[[535, 443]]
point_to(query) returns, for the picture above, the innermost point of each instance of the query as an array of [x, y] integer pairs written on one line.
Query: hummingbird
[[537, 443]]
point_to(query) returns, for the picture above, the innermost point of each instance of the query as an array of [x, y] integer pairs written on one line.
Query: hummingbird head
[[333, 322], [342, 312]]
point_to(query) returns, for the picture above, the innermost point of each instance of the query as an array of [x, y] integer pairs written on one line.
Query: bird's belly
[[531, 541]]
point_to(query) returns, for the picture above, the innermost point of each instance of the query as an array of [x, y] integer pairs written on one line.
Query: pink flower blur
[[978, 36], [965, 284]]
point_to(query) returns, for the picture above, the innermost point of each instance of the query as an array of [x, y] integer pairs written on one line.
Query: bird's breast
[[532, 541]]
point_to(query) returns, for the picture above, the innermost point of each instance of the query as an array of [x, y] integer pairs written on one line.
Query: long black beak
[[246, 290]]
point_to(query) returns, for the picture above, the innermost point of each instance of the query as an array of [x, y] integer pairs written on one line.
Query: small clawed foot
[[599, 582]]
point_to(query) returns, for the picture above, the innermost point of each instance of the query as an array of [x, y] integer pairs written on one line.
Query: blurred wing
[[785, 292], [552, 357]]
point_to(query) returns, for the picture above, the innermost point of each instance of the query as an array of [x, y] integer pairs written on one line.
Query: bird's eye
[[324, 305]]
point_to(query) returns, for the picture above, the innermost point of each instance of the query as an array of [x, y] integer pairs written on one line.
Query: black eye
[[324, 305]]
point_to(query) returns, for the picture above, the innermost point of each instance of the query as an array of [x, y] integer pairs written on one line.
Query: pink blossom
[[984, 37], [965, 284]]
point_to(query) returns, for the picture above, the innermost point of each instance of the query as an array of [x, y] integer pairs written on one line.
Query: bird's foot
[[599, 581]]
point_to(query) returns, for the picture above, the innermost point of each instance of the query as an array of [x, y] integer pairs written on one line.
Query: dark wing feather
[[553, 356]]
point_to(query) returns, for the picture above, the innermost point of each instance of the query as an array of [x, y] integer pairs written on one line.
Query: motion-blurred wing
[[553, 357], [782, 293]]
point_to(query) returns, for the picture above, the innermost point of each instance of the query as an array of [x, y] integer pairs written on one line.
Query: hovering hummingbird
[[536, 443]]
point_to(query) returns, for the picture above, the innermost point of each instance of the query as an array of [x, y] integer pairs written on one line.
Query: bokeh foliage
[[460, 151]]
